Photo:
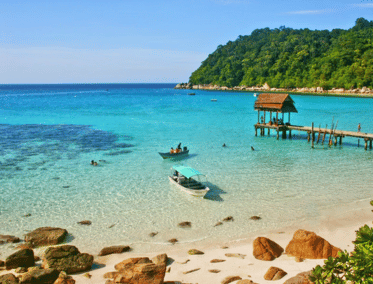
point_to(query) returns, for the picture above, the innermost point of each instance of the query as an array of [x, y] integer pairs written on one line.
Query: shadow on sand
[[214, 193]]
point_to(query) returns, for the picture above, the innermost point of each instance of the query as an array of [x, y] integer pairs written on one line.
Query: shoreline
[[338, 229], [355, 93]]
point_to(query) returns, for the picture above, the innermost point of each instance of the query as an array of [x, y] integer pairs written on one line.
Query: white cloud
[[363, 5], [314, 12]]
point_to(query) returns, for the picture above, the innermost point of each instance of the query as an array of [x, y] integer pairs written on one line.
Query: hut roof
[[275, 102]]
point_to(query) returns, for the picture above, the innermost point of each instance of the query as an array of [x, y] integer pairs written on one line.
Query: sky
[[143, 41]]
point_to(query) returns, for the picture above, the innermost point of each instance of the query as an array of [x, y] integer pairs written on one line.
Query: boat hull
[[194, 192], [168, 155]]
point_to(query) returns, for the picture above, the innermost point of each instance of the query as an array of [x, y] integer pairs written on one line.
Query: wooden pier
[[335, 136], [281, 104]]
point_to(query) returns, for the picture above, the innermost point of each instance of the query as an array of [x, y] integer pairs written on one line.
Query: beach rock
[[185, 224], [21, 258], [173, 241], [63, 278], [85, 222], [152, 234], [46, 236], [67, 258], [24, 246], [230, 279], [2, 263], [238, 255], [114, 249], [42, 276], [8, 279], [300, 278], [266, 249], [130, 262], [218, 224], [227, 219], [255, 218], [195, 251], [142, 273], [298, 259], [27, 215], [246, 281], [217, 260], [9, 239], [190, 271], [274, 273], [160, 259], [307, 244], [214, 270]]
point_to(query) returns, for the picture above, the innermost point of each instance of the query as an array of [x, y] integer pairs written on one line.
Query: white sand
[[338, 230]]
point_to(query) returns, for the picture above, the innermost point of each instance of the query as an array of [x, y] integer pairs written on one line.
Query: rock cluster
[[266, 87], [139, 270]]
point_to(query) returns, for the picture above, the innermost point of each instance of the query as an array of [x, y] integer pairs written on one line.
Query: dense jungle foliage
[[289, 58]]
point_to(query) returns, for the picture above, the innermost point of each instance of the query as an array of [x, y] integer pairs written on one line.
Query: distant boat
[[214, 100], [177, 153], [255, 94], [189, 180], [191, 94]]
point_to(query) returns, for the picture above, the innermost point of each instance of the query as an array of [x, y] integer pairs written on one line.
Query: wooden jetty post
[[313, 136]]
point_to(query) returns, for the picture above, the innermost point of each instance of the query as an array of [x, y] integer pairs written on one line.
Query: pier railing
[[312, 131]]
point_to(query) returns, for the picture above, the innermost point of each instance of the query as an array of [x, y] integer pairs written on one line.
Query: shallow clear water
[[49, 134]]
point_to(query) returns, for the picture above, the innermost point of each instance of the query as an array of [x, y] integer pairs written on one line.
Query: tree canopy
[[290, 58]]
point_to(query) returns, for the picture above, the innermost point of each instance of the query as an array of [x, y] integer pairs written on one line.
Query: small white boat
[[214, 100], [255, 94], [189, 180]]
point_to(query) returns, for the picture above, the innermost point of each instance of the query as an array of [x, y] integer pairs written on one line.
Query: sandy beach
[[337, 229]]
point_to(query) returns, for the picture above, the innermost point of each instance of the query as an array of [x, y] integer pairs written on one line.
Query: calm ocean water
[[50, 133]]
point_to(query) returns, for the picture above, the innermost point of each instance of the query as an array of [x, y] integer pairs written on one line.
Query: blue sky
[[125, 41]]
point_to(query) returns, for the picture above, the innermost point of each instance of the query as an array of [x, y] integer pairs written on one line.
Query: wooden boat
[[189, 180], [183, 152]]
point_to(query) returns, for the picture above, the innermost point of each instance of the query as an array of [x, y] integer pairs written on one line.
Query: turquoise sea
[[50, 133]]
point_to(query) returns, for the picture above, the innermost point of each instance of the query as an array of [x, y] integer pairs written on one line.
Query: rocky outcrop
[[307, 244], [8, 279], [160, 259], [274, 273], [39, 276], [9, 239], [265, 88], [46, 236], [138, 271], [301, 278], [67, 258], [114, 249], [265, 249], [21, 258]]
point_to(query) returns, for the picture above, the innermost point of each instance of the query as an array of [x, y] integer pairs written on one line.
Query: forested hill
[[289, 58]]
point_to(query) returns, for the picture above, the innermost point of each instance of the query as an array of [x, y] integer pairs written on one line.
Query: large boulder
[[39, 276], [300, 278], [21, 258], [139, 271], [67, 258], [46, 236], [266, 249], [307, 244], [8, 279]]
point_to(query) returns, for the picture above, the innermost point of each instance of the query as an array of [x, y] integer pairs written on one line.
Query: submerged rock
[[195, 251], [185, 224], [9, 239]]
